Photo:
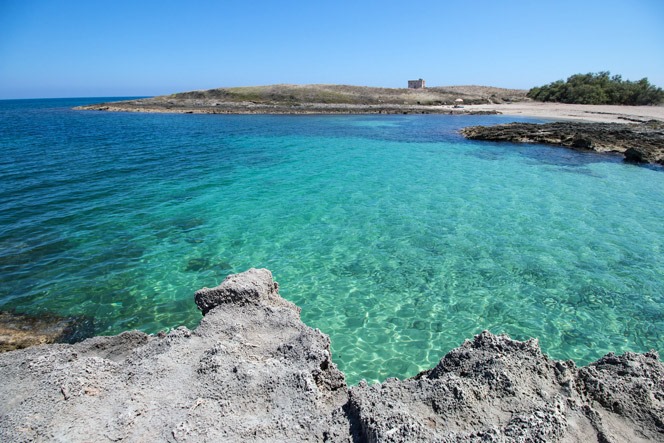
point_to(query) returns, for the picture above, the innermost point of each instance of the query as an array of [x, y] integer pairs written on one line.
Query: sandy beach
[[589, 113]]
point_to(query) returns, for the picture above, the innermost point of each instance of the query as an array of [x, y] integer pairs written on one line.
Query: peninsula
[[320, 99], [344, 99], [637, 132]]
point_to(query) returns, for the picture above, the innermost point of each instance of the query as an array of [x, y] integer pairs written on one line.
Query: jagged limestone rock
[[252, 371]]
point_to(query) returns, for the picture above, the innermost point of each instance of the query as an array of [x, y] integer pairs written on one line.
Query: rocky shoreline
[[637, 132], [637, 142], [252, 371], [250, 108]]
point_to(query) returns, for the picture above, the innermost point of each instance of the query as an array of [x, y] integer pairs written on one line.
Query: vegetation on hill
[[599, 89]]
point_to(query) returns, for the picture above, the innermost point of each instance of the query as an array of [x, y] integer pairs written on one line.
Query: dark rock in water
[[641, 143], [202, 264], [224, 266], [197, 264], [18, 331], [640, 154], [252, 371], [488, 112], [581, 142], [188, 224]]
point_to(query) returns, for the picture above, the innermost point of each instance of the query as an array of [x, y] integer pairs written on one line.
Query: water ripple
[[396, 236]]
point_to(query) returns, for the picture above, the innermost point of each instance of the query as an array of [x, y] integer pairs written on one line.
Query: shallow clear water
[[396, 236]]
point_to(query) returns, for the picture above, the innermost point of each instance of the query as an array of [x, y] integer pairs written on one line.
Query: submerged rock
[[252, 371], [640, 143], [18, 331]]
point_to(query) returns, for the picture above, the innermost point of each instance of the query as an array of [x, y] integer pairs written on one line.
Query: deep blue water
[[396, 236]]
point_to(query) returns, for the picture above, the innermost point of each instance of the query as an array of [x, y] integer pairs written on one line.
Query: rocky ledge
[[638, 142], [252, 371], [249, 108]]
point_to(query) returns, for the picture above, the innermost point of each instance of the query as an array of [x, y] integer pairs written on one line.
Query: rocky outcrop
[[252, 371], [640, 143], [497, 389]]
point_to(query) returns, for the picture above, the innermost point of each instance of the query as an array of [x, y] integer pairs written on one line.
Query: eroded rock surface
[[639, 143], [496, 389], [252, 371]]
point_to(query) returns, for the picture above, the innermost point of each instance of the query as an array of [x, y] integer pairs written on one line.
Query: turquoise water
[[396, 236]]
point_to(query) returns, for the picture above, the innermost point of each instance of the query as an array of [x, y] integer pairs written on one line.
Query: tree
[[599, 88]]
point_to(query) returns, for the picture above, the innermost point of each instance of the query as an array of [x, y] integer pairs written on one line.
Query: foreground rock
[[497, 389], [639, 143], [252, 371]]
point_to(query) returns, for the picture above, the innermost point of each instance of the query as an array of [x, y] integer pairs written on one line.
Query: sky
[[104, 48]]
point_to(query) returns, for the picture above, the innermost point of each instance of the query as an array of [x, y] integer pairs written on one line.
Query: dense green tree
[[599, 89]]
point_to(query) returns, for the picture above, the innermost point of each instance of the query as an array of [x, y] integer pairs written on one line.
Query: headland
[[637, 132], [344, 99], [320, 99]]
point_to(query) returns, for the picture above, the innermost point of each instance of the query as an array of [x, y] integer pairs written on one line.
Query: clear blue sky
[[76, 48]]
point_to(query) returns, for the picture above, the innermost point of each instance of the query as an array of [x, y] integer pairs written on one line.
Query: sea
[[396, 236]]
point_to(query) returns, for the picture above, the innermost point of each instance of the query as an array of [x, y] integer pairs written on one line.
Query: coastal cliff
[[252, 371]]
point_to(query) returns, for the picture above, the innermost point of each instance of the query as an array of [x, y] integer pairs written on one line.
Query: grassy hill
[[316, 99], [358, 95]]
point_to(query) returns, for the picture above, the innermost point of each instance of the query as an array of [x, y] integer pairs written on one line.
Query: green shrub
[[599, 89]]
